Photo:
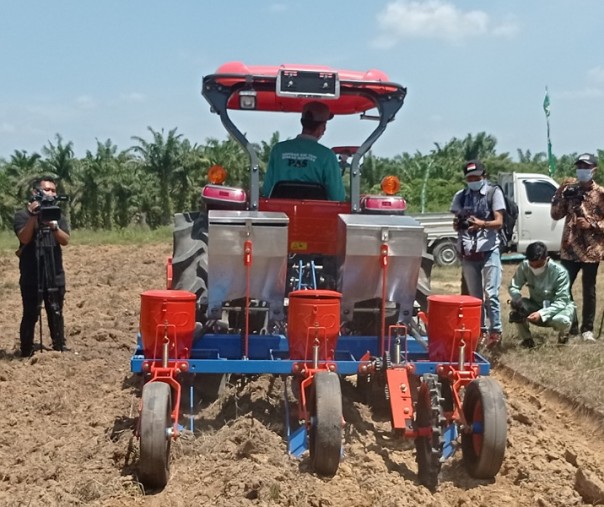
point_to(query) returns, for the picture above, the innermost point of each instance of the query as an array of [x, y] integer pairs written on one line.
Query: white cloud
[[435, 19], [277, 7], [7, 128], [506, 29], [85, 102], [133, 97], [583, 93], [596, 75]]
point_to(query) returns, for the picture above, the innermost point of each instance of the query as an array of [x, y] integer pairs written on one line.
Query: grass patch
[[128, 236], [576, 371], [8, 242]]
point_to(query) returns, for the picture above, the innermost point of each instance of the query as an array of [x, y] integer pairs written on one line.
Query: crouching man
[[549, 303]]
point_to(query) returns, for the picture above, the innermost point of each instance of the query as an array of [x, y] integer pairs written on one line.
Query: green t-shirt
[[304, 159]]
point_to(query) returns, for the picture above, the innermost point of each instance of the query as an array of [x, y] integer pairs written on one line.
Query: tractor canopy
[[287, 88]]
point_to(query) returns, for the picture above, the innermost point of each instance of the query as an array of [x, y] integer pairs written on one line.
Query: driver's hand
[[534, 317]]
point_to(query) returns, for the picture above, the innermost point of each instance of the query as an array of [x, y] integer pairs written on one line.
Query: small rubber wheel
[[155, 420], [326, 423], [485, 411]]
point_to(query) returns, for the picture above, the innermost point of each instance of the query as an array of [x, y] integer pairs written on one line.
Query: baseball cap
[[473, 168], [586, 158], [316, 111]]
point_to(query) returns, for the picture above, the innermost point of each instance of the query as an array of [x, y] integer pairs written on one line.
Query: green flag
[[546, 103], [550, 156]]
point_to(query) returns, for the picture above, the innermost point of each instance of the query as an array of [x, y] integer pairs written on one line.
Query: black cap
[[473, 168], [588, 159]]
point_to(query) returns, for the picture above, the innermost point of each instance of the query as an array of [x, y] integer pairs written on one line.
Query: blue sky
[[109, 69]]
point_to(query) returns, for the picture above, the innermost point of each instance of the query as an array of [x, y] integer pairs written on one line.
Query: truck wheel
[[190, 257], [445, 253]]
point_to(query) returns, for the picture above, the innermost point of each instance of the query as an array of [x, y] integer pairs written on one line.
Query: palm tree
[[96, 197], [60, 163], [160, 158], [21, 169]]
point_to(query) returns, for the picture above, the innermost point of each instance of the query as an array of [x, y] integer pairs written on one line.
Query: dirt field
[[68, 422]]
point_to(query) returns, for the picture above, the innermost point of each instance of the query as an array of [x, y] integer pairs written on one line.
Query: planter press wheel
[[428, 414], [155, 420], [485, 411], [326, 423]]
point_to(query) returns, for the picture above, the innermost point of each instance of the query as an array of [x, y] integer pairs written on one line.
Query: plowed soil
[[67, 422]]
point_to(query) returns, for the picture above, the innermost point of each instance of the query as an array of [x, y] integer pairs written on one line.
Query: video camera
[[574, 193], [463, 224], [49, 211], [518, 313]]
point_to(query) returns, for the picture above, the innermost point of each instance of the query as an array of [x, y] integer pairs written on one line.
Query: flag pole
[[550, 157]]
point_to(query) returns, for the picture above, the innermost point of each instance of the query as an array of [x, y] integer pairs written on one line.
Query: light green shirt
[[552, 285], [304, 159]]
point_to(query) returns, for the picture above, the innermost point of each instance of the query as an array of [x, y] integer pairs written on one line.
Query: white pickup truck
[[532, 193]]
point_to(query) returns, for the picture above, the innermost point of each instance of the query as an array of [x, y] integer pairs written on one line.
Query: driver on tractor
[[303, 159]]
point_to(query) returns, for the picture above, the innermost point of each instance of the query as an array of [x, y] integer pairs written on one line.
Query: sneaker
[[588, 336], [494, 340], [529, 343]]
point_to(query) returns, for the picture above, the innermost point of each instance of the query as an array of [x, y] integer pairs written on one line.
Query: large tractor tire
[[423, 282], [190, 257]]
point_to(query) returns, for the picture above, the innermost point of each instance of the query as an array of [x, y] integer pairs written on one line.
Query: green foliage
[[142, 186]]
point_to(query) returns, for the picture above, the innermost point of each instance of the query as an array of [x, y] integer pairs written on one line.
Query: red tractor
[[315, 290]]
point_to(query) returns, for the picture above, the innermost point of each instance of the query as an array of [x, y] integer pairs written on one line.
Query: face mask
[[538, 271], [476, 185], [584, 175]]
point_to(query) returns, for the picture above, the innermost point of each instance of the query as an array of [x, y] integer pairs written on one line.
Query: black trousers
[[590, 272], [29, 297]]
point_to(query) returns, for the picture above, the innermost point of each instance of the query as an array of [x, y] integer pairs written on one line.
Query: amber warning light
[[217, 174], [390, 185]]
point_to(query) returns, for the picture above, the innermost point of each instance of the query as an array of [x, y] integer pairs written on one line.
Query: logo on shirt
[[298, 159]]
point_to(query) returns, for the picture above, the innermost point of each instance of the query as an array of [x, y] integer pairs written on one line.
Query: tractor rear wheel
[[485, 411], [429, 420], [423, 282], [155, 420], [326, 423], [190, 257]]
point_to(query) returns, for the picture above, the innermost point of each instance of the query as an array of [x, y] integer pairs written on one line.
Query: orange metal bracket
[[401, 402]]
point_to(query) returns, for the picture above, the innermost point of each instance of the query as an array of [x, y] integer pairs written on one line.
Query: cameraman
[[27, 226], [478, 211], [549, 303], [582, 248]]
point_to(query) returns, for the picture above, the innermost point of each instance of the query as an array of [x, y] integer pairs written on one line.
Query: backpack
[[510, 216]]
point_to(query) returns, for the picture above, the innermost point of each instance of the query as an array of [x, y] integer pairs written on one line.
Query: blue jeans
[[483, 278]]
